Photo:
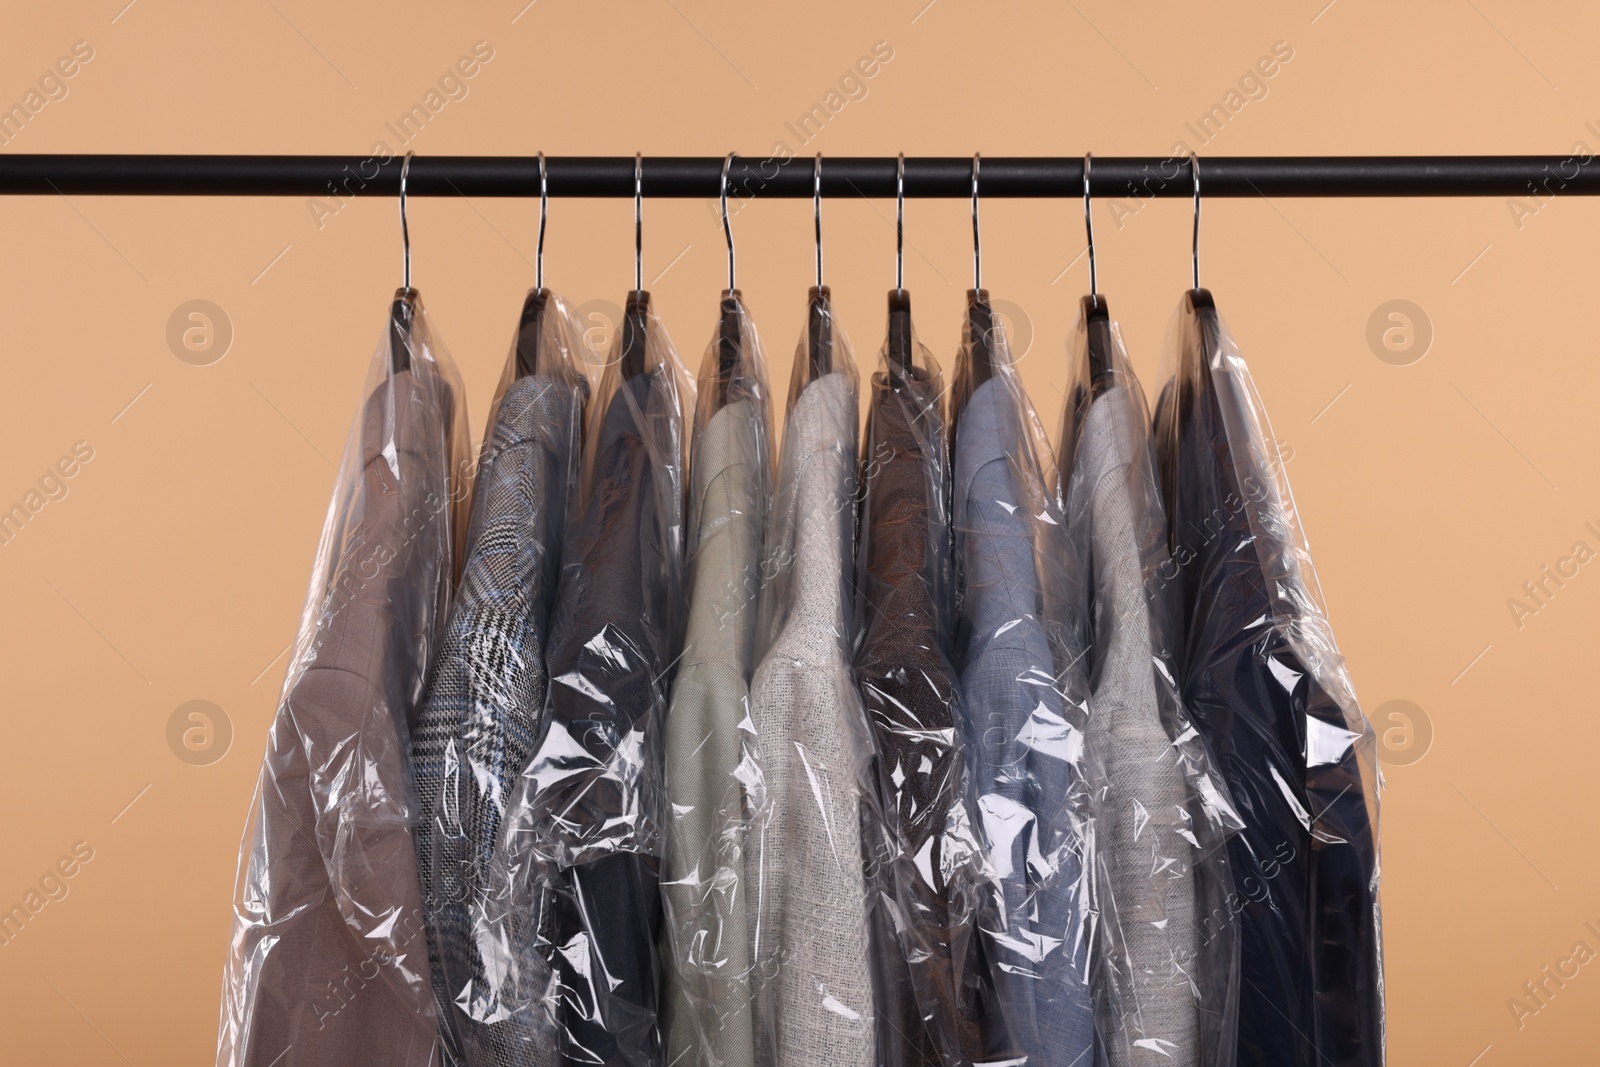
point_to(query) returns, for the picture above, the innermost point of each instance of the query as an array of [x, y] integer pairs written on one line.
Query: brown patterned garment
[[912, 699]]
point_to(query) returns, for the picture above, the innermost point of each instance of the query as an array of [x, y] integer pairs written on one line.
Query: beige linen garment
[[812, 985], [706, 975]]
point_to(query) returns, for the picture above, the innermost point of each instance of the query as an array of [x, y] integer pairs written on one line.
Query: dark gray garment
[[706, 987], [485, 707], [812, 986], [1037, 948]]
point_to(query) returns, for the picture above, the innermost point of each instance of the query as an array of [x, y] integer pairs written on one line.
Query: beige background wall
[[174, 566]]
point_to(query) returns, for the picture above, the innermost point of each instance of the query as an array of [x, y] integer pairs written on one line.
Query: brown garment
[[329, 956], [912, 699]]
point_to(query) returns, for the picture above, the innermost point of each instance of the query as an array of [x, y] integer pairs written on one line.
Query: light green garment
[[706, 990]]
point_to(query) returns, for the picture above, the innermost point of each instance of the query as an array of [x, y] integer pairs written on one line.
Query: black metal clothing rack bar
[[766, 176]]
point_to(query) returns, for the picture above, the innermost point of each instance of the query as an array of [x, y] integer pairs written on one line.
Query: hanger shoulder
[[1097, 321], [530, 329], [635, 333], [402, 322], [901, 341], [819, 332]]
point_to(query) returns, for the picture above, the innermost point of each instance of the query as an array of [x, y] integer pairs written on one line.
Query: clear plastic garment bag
[[584, 831], [486, 703], [1267, 689], [1024, 685], [812, 977], [926, 874], [1166, 977], [712, 773], [328, 960]]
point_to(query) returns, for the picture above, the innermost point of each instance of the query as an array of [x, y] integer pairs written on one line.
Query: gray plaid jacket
[[484, 710]]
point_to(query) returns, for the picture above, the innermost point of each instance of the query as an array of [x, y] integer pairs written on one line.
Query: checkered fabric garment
[[484, 709]]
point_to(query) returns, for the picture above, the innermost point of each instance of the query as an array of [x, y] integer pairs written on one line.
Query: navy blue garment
[[1016, 715], [608, 659], [1305, 863]]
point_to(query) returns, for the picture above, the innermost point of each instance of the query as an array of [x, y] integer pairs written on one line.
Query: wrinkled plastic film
[[824, 353], [925, 879], [583, 832], [1165, 980], [1024, 683], [811, 981], [328, 959], [712, 774], [485, 706], [1270, 693]]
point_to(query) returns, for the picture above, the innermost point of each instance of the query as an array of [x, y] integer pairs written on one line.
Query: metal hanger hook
[[1088, 225], [977, 243], [638, 221], [900, 223], [816, 207], [405, 229], [1194, 248], [544, 202], [727, 227]]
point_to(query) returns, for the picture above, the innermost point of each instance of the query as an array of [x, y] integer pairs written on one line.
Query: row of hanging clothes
[[632, 743]]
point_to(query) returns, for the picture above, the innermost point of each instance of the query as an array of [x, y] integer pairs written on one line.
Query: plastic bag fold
[[1268, 690], [711, 766], [582, 850], [928, 864], [328, 958], [811, 979], [485, 706], [1024, 689], [1165, 977]]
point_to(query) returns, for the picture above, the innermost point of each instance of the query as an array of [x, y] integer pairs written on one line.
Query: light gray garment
[[706, 978], [812, 985], [1147, 883]]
